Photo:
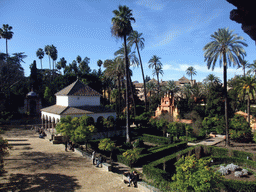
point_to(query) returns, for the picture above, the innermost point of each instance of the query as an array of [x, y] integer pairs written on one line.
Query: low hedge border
[[160, 178], [234, 185], [155, 139], [160, 152], [154, 154]]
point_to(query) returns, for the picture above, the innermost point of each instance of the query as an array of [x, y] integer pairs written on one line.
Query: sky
[[174, 30]]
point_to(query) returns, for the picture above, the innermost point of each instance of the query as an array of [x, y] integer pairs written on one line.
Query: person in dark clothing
[[65, 141], [99, 161], [133, 178]]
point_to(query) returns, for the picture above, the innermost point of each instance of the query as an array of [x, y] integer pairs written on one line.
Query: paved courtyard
[[37, 165]]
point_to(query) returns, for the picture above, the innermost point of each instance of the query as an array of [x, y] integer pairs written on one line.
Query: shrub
[[240, 130], [195, 175], [132, 155]]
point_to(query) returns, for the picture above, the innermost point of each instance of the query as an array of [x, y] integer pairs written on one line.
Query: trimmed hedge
[[162, 179], [160, 152], [155, 139], [155, 153]]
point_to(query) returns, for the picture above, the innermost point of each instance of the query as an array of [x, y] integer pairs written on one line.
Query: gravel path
[[37, 165]]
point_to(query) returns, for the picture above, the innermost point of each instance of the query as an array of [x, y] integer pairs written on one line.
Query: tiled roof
[[64, 110], [78, 89]]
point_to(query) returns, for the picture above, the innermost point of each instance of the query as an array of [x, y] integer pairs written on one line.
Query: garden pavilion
[[75, 100]]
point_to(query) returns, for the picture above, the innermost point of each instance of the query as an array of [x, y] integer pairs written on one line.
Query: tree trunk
[[119, 95], [226, 98], [144, 83], [127, 93], [6, 48], [248, 109], [41, 64], [133, 100]]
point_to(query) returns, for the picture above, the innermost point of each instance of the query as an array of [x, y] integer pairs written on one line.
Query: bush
[[240, 130], [195, 175]]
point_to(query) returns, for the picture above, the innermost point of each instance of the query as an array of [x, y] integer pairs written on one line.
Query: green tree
[[137, 39], [107, 145], [156, 65], [240, 130], [252, 67], [121, 27], [34, 83], [195, 175], [99, 63], [83, 133], [226, 47], [61, 64], [247, 87], [7, 34], [40, 55], [244, 64], [47, 50], [132, 155], [53, 55], [65, 126], [48, 96], [191, 71]]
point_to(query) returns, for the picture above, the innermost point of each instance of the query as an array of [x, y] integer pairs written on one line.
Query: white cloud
[[151, 4]]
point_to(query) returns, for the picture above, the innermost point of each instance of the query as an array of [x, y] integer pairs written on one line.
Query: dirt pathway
[[37, 165]]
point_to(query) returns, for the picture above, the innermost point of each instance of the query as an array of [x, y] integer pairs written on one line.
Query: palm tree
[[53, 55], [156, 65], [245, 64], [226, 47], [247, 86], [115, 70], [47, 50], [190, 72], [121, 27], [7, 34], [61, 64], [252, 67], [135, 38], [40, 55], [172, 87]]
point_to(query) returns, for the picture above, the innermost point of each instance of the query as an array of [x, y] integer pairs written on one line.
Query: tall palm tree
[[121, 27], [47, 50], [53, 55], [156, 65], [228, 48], [252, 67], [40, 55], [191, 71], [135, 38], [247, 86], [115, 69], [244, 64], [61, 64], [7, 34]]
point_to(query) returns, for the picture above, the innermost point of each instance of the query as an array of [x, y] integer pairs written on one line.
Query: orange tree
[[195, 175]]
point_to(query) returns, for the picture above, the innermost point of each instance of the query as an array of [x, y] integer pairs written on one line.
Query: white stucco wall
[[83, 100], [62, 100], [77, 100], [50, 116]]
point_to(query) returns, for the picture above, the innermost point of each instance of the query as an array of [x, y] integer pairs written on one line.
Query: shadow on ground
[[40, 182], [38, 160]]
